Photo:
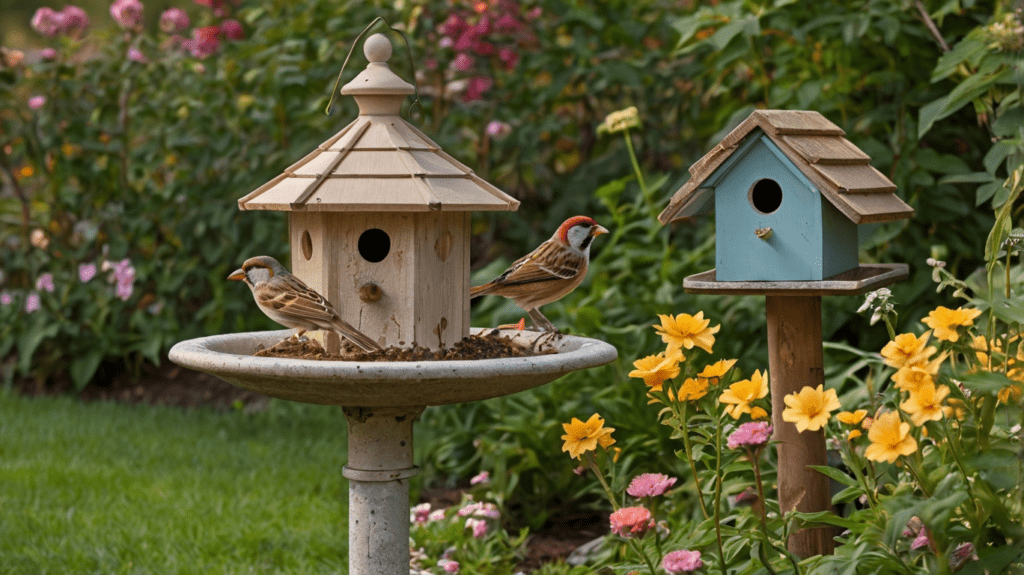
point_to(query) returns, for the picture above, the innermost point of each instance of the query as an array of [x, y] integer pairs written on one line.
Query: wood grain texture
[[865, 278], [795, 360]]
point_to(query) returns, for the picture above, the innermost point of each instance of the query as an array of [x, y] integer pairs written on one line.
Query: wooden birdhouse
[[788, 191], [379, 218]]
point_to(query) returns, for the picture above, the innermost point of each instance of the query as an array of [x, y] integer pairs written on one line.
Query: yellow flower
[[693, 389], [668, 392], [1008, 393], [741, 394], [959, 407], [854, 434], [910, 378], [945, 321], [655, 369], [926, 404], [981, 348], [810, 408], [890, 438], [685, 330], [582, 437], [907, 349], [851, 418], [758, 413], [714, 372]]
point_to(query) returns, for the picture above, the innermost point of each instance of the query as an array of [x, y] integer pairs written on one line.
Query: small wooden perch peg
[[763, 233], [370, 293]]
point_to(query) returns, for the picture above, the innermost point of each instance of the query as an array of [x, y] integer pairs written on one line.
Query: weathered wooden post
[[788, 191]]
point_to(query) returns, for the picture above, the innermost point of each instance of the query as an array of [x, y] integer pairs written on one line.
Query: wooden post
[[795, 360]]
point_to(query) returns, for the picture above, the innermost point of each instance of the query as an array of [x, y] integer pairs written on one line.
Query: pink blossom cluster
[[478, 526], [123, 275], [480, 509], [682, 561], [45, 283], [6, 298], [631, 521], [495, 30], [221, 8], [650, 485], [127, 13], [448, 565], [174, 20], [751, 434], [36, 102], [420, 513], [71, 20], [484, 477]]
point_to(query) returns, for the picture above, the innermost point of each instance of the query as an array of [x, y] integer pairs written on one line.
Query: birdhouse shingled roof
[[379, 162], [840, 170]]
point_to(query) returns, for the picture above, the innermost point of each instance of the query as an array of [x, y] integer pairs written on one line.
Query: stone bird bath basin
[[381, 400]]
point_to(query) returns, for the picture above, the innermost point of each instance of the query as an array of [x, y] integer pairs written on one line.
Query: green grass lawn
[[113, 488]]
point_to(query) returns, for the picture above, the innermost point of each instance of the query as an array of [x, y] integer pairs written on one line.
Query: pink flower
[[507, 23], [420, 513], [174, 20], [205, 41], [36, 102], [476, 88], [630, 521], [233, 29], [445, 42], [436, 515], [751, 434], [48, 54], [682, 561], [127, 13], [6, 298], [452, 26], [463, 62], [534, 13], [963, 553], [650, 485], [467, 40], [124, 274], [448, 565], [32, 303], [75, 20], [136, 55], [482, 477], [479, 527], [509, 57], [922, 539], [47, 22], [498, 130], [86, 272], [45, 283], [484, 48]]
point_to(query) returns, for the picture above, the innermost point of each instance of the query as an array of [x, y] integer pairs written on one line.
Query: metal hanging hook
[[412, 64]]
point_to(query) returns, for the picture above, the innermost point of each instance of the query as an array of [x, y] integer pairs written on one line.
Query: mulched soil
[[489, 346]]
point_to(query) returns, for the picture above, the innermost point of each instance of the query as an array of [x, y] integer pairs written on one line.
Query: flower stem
[[592, 464], [693, 465], [718, 492], [754, 460], [639, 174], [910, 467]]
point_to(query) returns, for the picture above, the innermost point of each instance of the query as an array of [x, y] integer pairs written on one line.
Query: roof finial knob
[[377, 48]]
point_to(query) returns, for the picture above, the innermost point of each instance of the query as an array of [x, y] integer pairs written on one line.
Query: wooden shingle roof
[[840, 170], [379, 162]]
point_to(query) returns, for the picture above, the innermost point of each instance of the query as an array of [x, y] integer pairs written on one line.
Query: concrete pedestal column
[[380, 463]]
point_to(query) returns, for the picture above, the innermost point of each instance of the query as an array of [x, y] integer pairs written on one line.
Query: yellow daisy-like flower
[[714, 372], [693, 389], [810, 408], [910, 378], [890, 438], [926, 404], [741, 394], [581, 437], [854, 434], [687, 331], [758, 413], [851, 417], [655, 369], [945, 321], [982, 347], [907, 349], [1009, 394], [668, 392]]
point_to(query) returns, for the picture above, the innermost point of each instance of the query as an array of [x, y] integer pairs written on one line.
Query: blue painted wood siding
[[811, 240]]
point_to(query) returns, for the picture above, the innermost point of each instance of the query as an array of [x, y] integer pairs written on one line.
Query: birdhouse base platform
[[865, 278]]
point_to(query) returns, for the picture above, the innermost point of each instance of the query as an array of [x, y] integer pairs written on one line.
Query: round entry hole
[[374, 245], [765, 195]]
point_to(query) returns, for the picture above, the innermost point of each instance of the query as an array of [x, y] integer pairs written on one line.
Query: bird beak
[[599, 229], [237, 275]]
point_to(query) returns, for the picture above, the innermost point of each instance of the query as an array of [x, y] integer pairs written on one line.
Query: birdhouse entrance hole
[[374, 245], [765, 196]]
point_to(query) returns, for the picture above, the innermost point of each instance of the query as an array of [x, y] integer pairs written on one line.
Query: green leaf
[[988, 382], [963, 94], [970, 49], [971, 178], [835, 474], [826, 517], [84, 367]]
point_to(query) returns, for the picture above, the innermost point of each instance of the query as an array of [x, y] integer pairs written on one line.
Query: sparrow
[[549, 272], [291, 303]]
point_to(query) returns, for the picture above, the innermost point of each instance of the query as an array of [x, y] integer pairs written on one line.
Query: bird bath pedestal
[[381, 401]]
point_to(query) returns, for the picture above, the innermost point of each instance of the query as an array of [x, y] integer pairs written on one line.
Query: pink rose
[[650, 485], [36, 102], [233, 29], [127, 13], [682, 561], [174, 20], [75, 20], [47, 22], [631, 521], [205, 41]]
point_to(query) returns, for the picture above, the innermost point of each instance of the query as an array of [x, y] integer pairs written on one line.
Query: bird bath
[[381, 400]]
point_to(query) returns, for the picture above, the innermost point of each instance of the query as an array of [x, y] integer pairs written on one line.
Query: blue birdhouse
[[788, 192]]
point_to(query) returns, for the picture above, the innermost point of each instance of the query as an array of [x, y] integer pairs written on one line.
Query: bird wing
[[549, 262], [296, 299]]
